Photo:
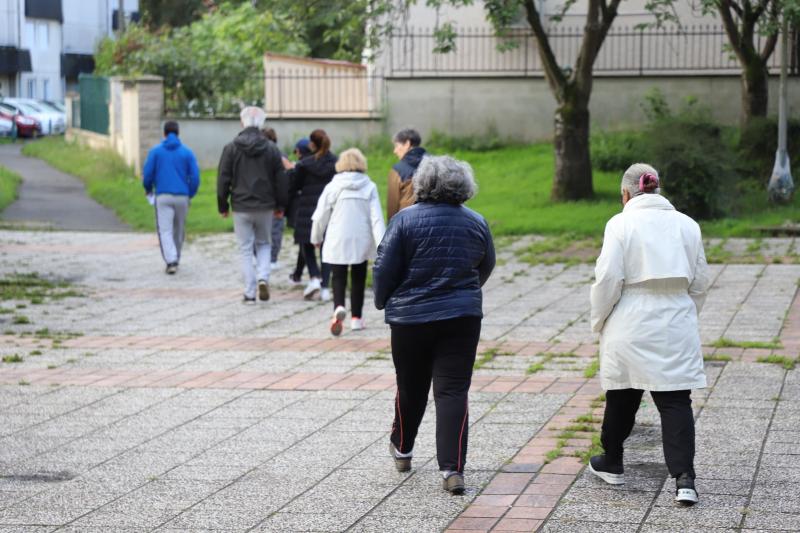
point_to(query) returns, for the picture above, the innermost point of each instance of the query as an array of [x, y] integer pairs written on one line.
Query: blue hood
[[171, 142]]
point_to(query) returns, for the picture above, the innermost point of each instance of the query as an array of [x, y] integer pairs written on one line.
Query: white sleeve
[[698, 288], [609, 276], [376, 216]]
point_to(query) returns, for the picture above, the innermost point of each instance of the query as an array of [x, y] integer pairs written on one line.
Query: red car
[[26, 126]]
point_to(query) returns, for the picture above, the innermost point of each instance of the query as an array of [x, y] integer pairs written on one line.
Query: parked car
[[59, 106], [51, 122], [6, 125], [27, 126]]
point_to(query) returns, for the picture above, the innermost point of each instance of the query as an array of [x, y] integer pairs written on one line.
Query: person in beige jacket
[[400, 193], [650, 284]]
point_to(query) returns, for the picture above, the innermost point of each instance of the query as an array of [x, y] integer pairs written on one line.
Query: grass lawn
[[9, 182], [514, 189]]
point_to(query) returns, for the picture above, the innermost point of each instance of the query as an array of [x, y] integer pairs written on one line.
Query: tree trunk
[[755, 90], [573, 168]]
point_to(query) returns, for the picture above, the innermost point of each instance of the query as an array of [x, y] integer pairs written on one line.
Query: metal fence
[[94, 103], [626, 51]]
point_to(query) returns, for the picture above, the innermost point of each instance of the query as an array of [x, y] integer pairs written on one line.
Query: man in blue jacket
[[171, 169]]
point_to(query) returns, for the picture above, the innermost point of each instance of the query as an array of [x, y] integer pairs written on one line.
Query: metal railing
[[626, 51]]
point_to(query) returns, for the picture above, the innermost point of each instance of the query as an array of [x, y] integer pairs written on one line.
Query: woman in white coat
[[349, 219], [651, 281]]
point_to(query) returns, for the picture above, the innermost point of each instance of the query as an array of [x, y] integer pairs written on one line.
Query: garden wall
[[523, 108], [207, 137]]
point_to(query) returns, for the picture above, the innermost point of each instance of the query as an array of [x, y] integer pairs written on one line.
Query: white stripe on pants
[[171, 210], [253, 231]]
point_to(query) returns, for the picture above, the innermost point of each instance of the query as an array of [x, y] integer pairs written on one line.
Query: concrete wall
[[523, 108], [207, 137]]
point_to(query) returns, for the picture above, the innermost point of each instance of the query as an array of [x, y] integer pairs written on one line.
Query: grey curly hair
[[443, 179], [630, 180]]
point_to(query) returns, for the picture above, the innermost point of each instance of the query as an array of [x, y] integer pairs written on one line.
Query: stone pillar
[[143, 111]]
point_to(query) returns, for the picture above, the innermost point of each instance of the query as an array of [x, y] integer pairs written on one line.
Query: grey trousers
[[277, 236], [171, 210], [253, 232]]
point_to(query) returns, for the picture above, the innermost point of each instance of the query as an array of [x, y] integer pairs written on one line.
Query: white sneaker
[[312, 288], [275, 265], [294, 283], [357, 324], [338, 317], [325, 295]]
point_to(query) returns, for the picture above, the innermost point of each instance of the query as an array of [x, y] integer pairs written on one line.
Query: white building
[[46, 44]]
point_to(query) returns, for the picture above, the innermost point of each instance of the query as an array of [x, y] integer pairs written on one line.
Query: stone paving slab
[[155, 403]]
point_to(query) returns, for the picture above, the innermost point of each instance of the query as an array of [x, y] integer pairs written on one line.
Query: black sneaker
[[402, 464], [454, 483], [249, 300], [172, 268], [685, 493], [613, 474], [263, 290]]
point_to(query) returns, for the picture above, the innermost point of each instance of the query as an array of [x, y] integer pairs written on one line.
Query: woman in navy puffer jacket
[[433, 260]]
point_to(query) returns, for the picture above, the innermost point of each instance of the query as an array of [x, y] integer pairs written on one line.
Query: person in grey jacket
[[252, 178], [432, 262]]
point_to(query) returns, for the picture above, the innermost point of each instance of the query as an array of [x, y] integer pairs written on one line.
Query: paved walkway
[[51, 198], [156, 403]]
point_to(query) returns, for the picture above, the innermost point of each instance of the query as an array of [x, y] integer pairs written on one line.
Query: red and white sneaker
[[357, 324], [338, 318]]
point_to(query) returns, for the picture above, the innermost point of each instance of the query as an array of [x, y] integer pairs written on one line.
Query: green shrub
[[491, 140], [758, 143], [616, 151], [695, 163]]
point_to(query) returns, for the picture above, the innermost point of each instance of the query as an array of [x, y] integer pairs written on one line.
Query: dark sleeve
[[389, 264], [224, 179], [487, 264], [280, 182]]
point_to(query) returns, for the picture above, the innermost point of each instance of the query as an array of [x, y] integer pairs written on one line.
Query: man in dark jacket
[[171, 169], [400, 193], [251, 176]]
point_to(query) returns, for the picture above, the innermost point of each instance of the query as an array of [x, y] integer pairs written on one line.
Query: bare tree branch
[[555, 76]]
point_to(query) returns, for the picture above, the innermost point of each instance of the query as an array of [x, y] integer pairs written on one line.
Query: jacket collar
[[648, 201]]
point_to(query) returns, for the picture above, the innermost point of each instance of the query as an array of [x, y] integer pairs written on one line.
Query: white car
[[5, 126], [52, 122]]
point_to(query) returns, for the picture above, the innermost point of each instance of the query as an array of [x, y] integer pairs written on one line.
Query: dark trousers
[[297, 275], [677, 425], [315, 271], [442, 352], [358, 283]]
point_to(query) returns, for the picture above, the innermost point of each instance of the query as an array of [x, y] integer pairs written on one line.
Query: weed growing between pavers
[[591, 370], [586, 425], [13, 358], [488, 356], [785, 361], [567, 248], [717, 357], [20, 320], [35, 289], [722, 342]]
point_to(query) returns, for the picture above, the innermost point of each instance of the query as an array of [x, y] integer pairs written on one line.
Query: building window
[[31, 88], [46, 90], [30, 35]]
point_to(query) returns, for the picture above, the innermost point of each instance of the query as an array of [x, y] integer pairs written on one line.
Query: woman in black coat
[[308, 178]]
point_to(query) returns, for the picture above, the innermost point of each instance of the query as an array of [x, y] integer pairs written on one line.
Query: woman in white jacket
[[651, 281], [350, 221]]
